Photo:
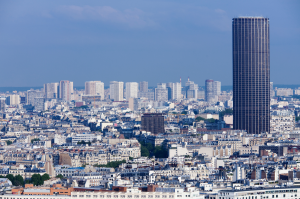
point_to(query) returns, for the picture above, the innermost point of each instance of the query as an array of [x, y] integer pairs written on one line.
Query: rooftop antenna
[[188, 79], [180, 80]]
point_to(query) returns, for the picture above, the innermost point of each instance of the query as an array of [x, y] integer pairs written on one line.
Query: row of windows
[[124, 196]]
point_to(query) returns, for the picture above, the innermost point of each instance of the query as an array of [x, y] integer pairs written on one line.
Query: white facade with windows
[[259, 193], [132, 89]]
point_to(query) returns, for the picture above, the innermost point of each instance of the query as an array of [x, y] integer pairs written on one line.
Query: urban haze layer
[[174, 141]]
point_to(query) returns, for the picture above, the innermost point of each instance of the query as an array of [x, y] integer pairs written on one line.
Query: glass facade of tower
[[251, 74]]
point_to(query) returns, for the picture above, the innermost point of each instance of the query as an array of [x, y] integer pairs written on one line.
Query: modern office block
[[116, 90], [153, 122], [51, 90], [132, 89], [251, 74]]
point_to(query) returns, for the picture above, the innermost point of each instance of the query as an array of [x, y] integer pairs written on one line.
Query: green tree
[[18, 181], [45, 177], [184, 112], [35, 139], [199, 118], [113, 164], [8, 142], [297, 119], [60, 176], [160, 152], [227, 111], [10, 177], [144, 151], [211, 120], [36, 179]]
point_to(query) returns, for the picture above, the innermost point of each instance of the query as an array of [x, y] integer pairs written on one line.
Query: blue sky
[[136, 40]]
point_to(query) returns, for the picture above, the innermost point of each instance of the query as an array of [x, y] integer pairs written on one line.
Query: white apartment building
[[13, 99], [161, 92], [177, 91], [116, 90], [143, 86], [282, 121], [51, 90], [284, 91], [31, 94], [85, 137], [217, 88], [132, 89], [131, 193], [94, 88], [258, 193], [65, 90]]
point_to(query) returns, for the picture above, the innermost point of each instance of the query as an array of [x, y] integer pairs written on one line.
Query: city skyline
[[104, 49]]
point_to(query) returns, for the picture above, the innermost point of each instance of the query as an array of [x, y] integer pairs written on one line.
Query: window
[[108, 196], [116, 196], [122, 196], [75, 196], [157, 196], [88, 196], [136, 196], [101, 196], [81, 196], [94, 196], [129, 196], [150, 196]]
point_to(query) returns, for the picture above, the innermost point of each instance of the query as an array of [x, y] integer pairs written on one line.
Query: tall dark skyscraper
[[251, 74]]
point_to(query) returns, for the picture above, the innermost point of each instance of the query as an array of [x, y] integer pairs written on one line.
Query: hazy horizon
[[133, 41]]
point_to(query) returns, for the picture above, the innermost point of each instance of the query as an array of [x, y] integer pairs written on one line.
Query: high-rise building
[[191, 90], [251, 74], [143, 86], [51, 90], [116, 90], [174, 91], [39, 103], [94, 88], [177, 91], [209, 90], [2, 104], [31, 94], [169, 86], [153, 122], [272, 92], [132, 89], [65, 90], [161, 92], [149, 95], [13, 99], [217, 88]]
